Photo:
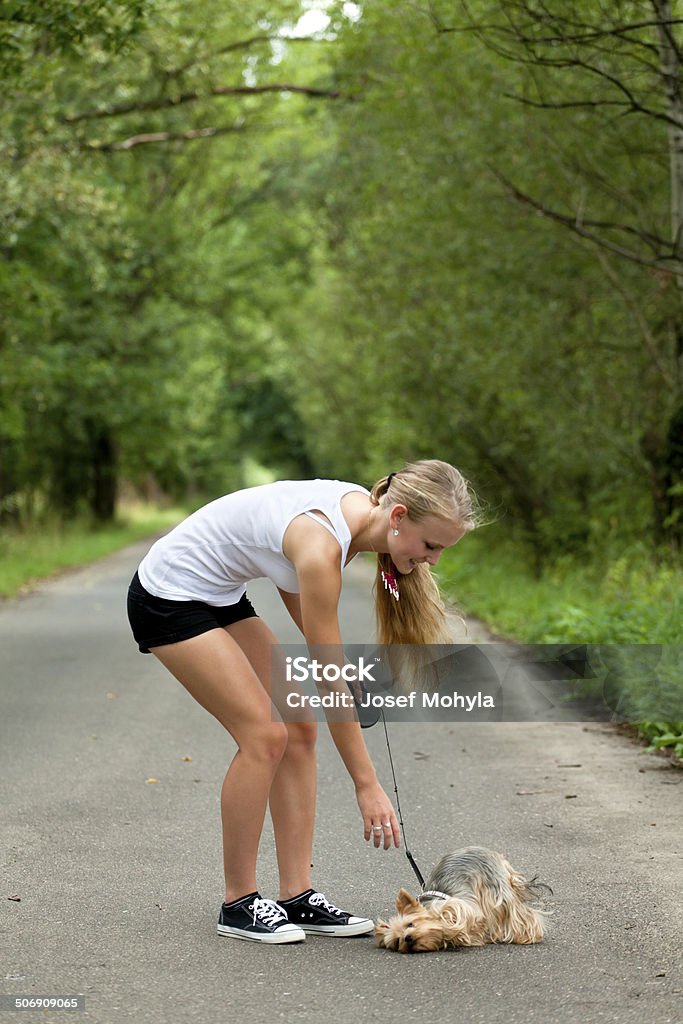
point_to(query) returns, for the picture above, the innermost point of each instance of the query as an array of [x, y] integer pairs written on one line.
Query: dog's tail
[[535, 889]]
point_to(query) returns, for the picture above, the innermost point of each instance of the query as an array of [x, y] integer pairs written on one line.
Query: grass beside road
[[32, 554], [628, 605], [623, 600]]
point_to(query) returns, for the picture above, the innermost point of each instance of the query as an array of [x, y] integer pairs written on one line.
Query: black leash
[[409, 855]]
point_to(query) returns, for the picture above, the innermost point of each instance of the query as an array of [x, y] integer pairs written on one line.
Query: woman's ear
[[397, 513]]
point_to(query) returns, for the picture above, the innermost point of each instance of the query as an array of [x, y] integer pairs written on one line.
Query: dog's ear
[[404, 901]]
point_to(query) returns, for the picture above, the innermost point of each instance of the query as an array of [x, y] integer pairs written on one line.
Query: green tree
[[148, 244], [614, 73], [463, 327]]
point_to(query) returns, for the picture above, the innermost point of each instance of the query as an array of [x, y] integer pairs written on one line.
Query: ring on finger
[[376, 828]]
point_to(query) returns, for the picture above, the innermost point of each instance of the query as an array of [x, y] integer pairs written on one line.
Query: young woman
[[187, 605]]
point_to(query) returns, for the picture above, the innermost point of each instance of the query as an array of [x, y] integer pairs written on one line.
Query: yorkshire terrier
[[472, 897]]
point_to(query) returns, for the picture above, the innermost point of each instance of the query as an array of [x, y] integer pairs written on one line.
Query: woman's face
[[419, 542]]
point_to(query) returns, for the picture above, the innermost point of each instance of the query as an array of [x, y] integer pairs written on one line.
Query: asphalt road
[[111, 883]]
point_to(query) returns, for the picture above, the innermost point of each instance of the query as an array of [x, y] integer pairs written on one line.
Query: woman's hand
[[379, 818]]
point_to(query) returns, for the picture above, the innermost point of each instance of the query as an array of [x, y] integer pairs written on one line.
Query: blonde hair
[[426, 488]]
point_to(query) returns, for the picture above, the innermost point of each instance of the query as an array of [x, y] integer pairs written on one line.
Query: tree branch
[[567, 105], [152, 137], [617, 32], [631, 104], [636, 312], [242, 44], [567, 32], [164, 103], [668, 263]]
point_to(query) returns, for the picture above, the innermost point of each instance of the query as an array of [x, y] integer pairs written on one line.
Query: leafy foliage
[[339, 252], [466, 327], [137, 291], [663, 735]]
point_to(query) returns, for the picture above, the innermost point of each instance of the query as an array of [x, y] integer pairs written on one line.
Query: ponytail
[[426, 488]]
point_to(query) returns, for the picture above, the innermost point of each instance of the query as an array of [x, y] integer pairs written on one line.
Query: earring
[[395, 533]]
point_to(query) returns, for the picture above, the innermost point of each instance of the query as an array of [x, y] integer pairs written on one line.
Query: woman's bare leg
[[219, 675], [292, 793]]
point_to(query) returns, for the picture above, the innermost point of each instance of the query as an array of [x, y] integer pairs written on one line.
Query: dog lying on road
[[472, 897]]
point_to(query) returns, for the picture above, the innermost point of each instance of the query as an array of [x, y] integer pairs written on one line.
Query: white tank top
[[216, 551]]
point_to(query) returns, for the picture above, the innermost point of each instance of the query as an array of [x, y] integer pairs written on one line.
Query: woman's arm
[[318, 566], [293, 606], [320, 590]]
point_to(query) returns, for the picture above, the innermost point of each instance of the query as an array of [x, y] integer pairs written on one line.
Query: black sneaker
[[317, 916], [252, 917]]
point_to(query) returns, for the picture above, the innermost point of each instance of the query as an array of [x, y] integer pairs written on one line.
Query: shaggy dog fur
[[472, 897]]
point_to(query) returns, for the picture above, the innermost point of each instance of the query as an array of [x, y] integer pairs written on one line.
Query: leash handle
[[411, 859]]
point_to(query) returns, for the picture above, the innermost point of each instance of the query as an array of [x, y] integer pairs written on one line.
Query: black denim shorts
[[156, 621]]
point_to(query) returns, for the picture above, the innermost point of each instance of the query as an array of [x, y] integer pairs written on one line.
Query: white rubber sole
[[275, 938], [360, 928]]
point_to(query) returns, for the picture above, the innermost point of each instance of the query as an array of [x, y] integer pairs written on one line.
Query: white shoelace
[[317, 899], [267, 911]]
